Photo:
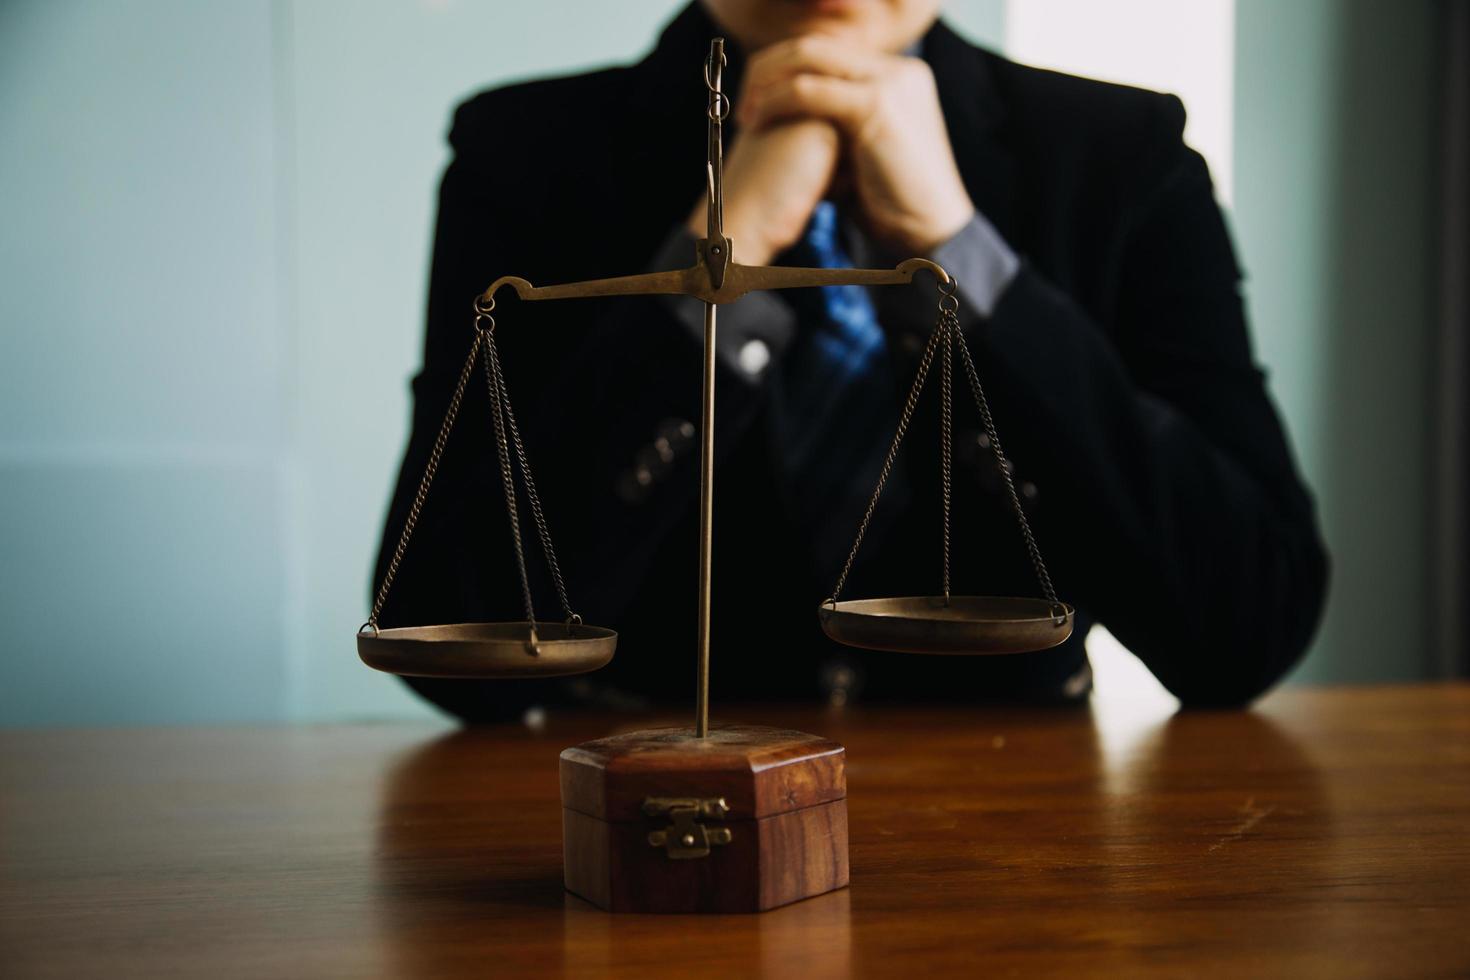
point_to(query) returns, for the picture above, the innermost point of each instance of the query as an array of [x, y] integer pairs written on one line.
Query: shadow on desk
[[985, 835]]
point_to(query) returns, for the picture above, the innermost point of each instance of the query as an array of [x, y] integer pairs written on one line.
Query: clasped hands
[[818, 117]]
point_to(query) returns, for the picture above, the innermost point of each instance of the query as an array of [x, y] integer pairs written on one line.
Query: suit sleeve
[[1172, 505]]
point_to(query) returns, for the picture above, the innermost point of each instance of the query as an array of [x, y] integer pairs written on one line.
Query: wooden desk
[[1326, 833]]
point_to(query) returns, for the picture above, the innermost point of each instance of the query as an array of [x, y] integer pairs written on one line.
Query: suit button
[[634, 484], [652, 462], [630, 490], [679, 432]]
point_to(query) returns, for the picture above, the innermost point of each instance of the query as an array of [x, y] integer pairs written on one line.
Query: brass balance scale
[[738, 818]]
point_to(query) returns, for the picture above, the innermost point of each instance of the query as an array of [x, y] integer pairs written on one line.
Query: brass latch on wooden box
[[686, 837]]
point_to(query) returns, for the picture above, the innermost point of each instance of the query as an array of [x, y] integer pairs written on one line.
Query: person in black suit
[[1100, 294]]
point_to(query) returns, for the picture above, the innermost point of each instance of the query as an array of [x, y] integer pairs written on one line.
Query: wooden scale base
[[743, 820], [736, 818]]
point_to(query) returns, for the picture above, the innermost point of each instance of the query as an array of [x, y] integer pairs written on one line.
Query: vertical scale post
[[706, 520], [715, 250]]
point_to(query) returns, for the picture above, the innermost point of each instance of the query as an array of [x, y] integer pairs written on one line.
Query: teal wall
[[213, 261], [212, 272], [144, 365], [1333, 214]]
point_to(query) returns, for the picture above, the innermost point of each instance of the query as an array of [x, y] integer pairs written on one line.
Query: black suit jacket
[[1118, 366]]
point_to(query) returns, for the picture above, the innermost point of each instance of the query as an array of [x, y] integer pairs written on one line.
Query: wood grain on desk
[[1325, 833]]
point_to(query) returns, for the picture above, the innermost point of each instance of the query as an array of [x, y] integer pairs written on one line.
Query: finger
[[815, 54], [847, 104]]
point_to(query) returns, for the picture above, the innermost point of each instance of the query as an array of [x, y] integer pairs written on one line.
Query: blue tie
[[834, 404]]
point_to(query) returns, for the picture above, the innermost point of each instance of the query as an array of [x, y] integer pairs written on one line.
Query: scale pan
[[487, 650], [968, 625]]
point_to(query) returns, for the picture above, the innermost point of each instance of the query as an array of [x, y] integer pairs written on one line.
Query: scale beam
[[697, 281]]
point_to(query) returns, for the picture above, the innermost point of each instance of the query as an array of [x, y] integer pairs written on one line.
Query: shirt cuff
[[981, 260], [753, 330]]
